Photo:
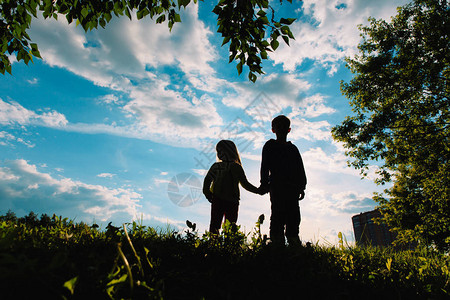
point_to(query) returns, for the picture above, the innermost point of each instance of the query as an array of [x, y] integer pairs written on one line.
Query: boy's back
[[282, 165], [283, 174]]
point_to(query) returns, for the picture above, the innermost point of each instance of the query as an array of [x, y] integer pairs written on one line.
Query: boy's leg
[[217, 213], [276, 230], [277, 217], [293, 220]]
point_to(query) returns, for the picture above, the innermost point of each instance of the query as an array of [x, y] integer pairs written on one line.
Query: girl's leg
[[217, 212], [231, 211]]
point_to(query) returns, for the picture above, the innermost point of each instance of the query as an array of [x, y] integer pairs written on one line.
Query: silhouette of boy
[[283, 175]]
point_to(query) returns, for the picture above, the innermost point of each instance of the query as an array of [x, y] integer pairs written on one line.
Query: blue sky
[[119, 124]]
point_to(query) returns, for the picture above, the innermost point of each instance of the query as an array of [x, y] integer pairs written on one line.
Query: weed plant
[[55, 258]]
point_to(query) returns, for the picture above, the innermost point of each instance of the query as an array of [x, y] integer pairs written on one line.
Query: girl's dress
[[221, 188]]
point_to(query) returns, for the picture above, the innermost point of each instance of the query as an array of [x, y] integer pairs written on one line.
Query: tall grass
[[53, 257]]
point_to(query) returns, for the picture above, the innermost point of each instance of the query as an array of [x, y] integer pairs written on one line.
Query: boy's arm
[[302, 179], [264, 171]]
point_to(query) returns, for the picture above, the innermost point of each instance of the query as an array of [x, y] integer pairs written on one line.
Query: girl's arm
[[207, 183], [244, 182]]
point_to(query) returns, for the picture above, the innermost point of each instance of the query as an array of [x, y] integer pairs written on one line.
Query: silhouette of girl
[[221, 185]]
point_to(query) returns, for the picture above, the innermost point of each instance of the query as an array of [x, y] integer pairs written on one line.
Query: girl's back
[[225, 177]]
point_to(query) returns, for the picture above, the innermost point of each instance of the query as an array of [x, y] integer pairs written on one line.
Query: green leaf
[[111, 285], [189, 223], [226, 40], [274, 44], [35, 50], [263, 54], [287, 21], [217, 10], [160, 19], [127, 13], [70, 284], [261, 13], [291, 35], [239, 67], [108, 17], [286, 39], [140, 14], [177, 18], [231, 58], [85, 12], [19, 55], [264, 20], [275, 34], [183, 3], [284, 29]]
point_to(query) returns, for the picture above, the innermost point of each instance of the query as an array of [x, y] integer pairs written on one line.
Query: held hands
[[262, 190], [302, 195]]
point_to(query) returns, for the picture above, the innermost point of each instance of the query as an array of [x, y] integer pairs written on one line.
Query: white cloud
[[33, 186], [14, 113], [164, 220], [275, 93], [23, 188], [168, 117], [110, 99], [180, 122], [325, 213], [254, 157], [7, 139], [335, 162], [33, 81], [311, 131], [201, 172], [126, 57], [187, 44], [333, 34], [351, 202], [281, 89], [312, 107], [106, 175], [161, 181]]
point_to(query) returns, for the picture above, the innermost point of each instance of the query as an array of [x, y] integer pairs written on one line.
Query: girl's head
[[227, 151]]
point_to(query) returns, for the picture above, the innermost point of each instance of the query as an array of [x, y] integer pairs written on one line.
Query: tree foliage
[[243, 23], [400, 100]]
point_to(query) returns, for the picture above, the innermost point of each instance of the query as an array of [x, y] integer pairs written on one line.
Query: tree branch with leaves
[[243, 23]]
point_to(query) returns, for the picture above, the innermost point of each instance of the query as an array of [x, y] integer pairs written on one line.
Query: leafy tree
[[243, 23], [400, 100]]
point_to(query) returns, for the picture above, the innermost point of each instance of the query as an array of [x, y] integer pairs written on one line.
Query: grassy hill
[[55, 258]]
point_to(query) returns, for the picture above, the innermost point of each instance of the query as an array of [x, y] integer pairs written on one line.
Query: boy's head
[[281, 125]]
